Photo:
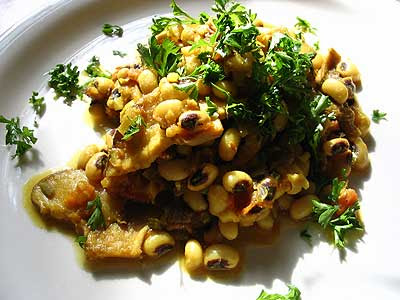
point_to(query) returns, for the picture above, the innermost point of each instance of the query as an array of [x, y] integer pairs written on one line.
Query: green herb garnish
[[23, 138], [304, 26], [81, 240], [112, 30], [134, 128], [94, 69], [293, 294], [340, 225], [64, 80], [119, 53], [96, 219], [211, 107], [189, 88], [377, 115], [37, 103], [163, 58]]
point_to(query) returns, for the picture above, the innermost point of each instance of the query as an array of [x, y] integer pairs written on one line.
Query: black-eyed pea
[[237, 181], [95, 166], [349, 69], [193, 119], [336, 89], [248, 220], [174, 170], [221, 257], [218, 199], [229, 230], [100, 89], [280, 121], [224, 85], [362, 122], [351, 87], [203, 178], [302, 207], [336, 146], [86, 154], [158, 243], [167, 112], [360, 155], [147, 81], [266, 223], [195, 200], [229, 144], [193, 255], [318, 61]]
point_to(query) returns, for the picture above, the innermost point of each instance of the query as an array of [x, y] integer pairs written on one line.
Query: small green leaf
[[64, 79], [94, 69], [212, 108], [134, 128], [112, 30], [96, 219], [293, 294], [377, 115], [37, 103], [119, 53], [23, 138]]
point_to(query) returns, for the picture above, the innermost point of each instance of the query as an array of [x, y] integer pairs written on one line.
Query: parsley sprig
[[23, 138], [64, 79], [163, 58], [293, 294], [37, 103], [96, 219], [94, 69], [119, 53], [326, 215], [112, 30], [377, 115], [134, 127]]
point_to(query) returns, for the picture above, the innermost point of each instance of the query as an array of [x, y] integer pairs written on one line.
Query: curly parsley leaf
[[94, 69], [64, 80], [304, 26], [96, 219], [377, 115], [209, 70], [163, 58], [37, 103], [81, 240], [112, 30], [179, 12], [134, 128], [293, 294], [211, 106], [119, 53], [23, 138], [326, 215]]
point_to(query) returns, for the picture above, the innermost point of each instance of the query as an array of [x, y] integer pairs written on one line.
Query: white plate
[[40, 264]]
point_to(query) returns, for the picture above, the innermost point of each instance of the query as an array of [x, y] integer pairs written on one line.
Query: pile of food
[[227, 122]]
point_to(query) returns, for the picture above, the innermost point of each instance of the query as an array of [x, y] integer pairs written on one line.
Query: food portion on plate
[[226, 122]]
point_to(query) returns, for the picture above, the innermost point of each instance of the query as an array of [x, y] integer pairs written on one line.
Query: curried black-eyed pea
[[203, 178], [221, 257], [336, 146], [96, 165], [237, 181], [193, 255], [336, 89], [192, 120], [360, 155], [158, 243], [86, 154]]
